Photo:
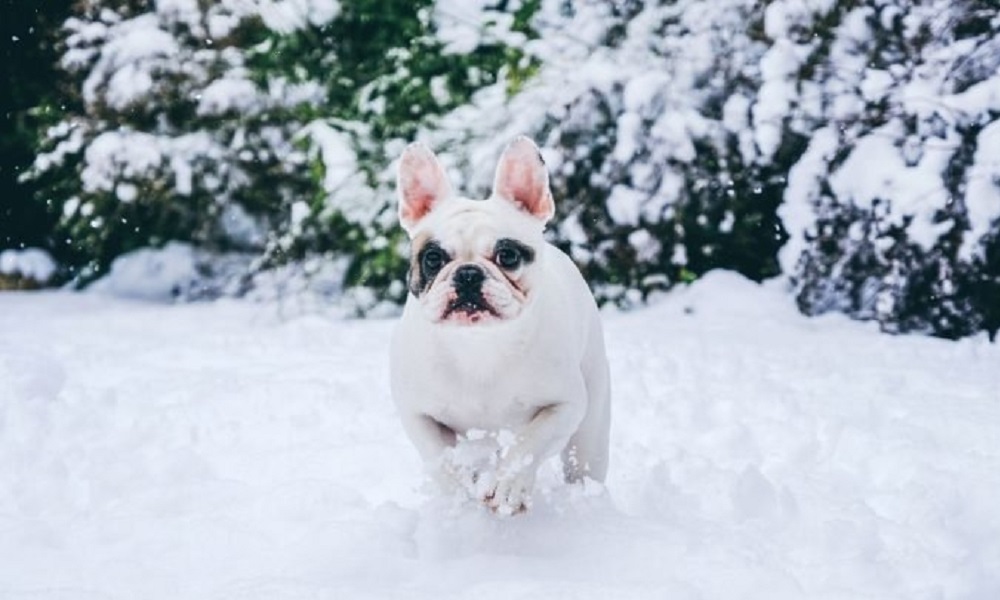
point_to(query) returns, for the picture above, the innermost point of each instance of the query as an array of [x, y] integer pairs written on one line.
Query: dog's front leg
[[544, 435], [452, 460], [432, 439]]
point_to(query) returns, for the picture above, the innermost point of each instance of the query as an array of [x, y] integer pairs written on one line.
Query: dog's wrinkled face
[[472, 261], [468, 270]]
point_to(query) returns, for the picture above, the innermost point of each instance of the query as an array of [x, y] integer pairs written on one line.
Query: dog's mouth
[[469, 309]]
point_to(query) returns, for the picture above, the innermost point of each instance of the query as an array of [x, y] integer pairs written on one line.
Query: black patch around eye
[[429, 262], [510, 254]]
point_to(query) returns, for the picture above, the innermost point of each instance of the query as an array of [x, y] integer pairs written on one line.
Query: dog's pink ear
[[523, 179], [420, 183]]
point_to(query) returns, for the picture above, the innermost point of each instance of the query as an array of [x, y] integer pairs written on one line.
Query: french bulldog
[[500, 340]]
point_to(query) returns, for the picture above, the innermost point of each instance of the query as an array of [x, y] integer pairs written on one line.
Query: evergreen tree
[[165, 136]]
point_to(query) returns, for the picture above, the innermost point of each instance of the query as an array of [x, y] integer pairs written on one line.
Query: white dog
[[500, 340]]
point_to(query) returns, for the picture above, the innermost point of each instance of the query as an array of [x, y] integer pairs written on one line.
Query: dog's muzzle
[[468, 284]]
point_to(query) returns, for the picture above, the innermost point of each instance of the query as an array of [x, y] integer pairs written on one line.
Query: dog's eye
[[431, 261], [508, 258]]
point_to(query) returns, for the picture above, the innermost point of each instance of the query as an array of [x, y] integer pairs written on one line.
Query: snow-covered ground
[[222, 450]]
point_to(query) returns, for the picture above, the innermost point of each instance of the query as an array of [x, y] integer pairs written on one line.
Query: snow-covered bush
[[681, 135], [389, 69], [262, 127], [28, 268], [678, 133], [894, 210], [642, 109], [165, 134]]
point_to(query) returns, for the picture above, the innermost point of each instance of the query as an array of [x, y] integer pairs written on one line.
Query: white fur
[[528, 384]]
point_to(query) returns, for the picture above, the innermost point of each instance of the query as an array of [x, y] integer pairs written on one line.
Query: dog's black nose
[[468, 278]]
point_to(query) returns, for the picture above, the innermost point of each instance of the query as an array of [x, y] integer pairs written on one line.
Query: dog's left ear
[[522, 178]]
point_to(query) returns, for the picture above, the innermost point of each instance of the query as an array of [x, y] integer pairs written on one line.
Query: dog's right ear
[[420, 183]]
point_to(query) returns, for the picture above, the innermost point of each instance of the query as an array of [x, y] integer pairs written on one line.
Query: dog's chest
[[492, 383], [465, 405]]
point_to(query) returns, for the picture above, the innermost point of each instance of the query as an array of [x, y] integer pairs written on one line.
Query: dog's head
[[474, 261]]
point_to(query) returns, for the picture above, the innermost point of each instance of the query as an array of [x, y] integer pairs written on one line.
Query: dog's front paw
[[468, 467], [509, 494]]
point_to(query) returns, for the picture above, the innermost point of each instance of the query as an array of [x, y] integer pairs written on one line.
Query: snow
[[915, 191], [982, 198], [229, 94], [286, 16], [625, 205], [802, 194], [462, 24], [136, 155], [343, 180], [778, 68], [133, 154], [216, 450], [134, 50]]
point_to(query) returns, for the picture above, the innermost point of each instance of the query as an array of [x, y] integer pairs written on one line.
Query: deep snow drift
[[226, 451]]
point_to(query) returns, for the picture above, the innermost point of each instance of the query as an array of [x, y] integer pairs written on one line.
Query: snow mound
[[158, 274], [727, 293]]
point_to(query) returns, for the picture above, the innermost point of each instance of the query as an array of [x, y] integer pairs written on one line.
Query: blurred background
[[188, 149]]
